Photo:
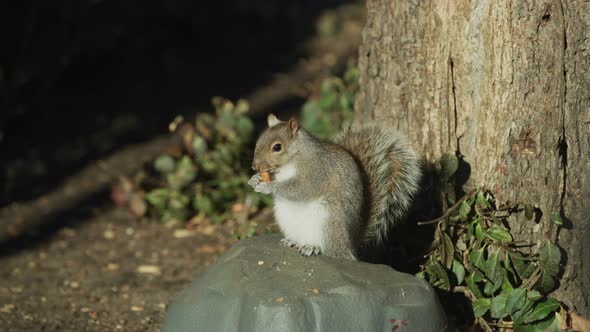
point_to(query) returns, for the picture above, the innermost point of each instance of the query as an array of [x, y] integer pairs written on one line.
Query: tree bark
[[504, 84]]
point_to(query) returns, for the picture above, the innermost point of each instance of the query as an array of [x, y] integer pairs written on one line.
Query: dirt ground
[[109, 273]]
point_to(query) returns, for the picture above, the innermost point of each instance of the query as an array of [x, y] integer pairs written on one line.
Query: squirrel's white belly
[[302, 222]]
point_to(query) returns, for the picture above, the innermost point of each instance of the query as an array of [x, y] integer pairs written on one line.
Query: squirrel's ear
[[272, 120], [293, 127]]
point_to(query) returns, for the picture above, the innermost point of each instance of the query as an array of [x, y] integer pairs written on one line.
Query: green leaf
[[448, 165], [203, 204], [479, 233], [459, 271], [498, 305], [506, 284], [480, 307], [531, 298], [476, 258], [439, 271], [549, 259], [464, 210], [542, 310], [524, 267], [547, 325], [516, 300], [199, 146], [165, 164], [480, 200], [447, 251], [158, 198], [328, 100], [493, 272], [555, 218], [499, 234], [472, 281]]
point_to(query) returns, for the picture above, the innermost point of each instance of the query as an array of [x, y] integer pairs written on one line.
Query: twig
[[449, 211], [466, 291], [19, 218]]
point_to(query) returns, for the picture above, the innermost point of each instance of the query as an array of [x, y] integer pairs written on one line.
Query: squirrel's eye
[[277, 147]]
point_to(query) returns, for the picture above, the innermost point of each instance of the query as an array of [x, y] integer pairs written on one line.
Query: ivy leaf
[[476, 258], [165, 164], [542, 310], [524, 267], [459, 271], [555, 218], [531, 299], [479, 233], [448, 165], [493, 272], [464, 210], [499, 234], [516, 300], [442, 275], [472, 281], [549, 258], [547, 325], [481, 201], [498, 305], [480, 307], [508, 265], [447, 251]]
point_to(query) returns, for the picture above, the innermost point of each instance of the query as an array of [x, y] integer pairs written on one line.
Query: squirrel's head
[[276, 145]]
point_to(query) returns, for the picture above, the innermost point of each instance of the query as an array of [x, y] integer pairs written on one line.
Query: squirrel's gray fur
[[366, 180]]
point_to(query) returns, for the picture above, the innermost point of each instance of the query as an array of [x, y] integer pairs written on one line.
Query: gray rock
[[260, 285]]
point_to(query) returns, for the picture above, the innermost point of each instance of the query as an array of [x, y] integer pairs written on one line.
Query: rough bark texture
[[507, 85]]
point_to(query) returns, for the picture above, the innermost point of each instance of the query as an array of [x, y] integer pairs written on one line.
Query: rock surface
[[260, 285]]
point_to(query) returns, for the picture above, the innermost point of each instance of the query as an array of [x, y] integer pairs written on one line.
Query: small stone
[[183, 233], [84, 309], [112, 267], [260, 263], [280, 299], [208, 230], [108, 234], [315, 291], [129, 231], [74, 284], [149, 269], [7, 308], [136, 308]]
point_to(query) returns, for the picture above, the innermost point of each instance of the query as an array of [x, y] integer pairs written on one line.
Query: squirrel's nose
[[255, 165]]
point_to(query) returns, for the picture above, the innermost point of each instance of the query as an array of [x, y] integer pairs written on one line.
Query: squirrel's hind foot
[[288, 243], [309, 250]]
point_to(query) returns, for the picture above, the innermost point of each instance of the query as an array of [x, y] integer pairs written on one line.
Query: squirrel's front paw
[[309, 250], [259, 185], [288, 243]]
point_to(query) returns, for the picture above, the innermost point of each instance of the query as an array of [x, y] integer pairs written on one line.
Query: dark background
[[79, 80]]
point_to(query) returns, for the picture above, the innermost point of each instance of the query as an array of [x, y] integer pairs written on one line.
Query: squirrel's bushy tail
[[391, 171]]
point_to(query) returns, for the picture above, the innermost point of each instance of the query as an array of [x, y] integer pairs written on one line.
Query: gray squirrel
[[330, 198]]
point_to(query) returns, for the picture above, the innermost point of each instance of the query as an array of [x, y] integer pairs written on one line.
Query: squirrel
[[331, 198]]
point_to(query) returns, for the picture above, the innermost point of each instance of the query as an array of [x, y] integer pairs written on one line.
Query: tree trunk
[[504, 84]]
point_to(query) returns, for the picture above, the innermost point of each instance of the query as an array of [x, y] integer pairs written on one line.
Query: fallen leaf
[[7, 308], [149, 269], [280, 299], [183, 233], [579, 323], [136, 308]]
